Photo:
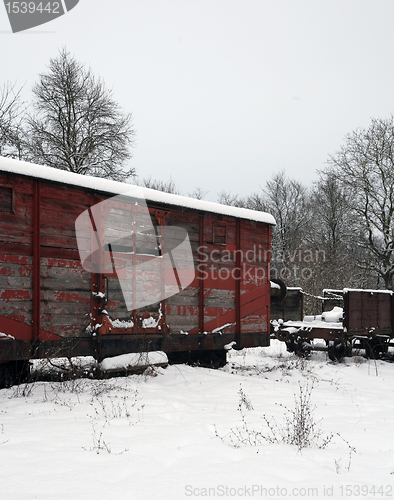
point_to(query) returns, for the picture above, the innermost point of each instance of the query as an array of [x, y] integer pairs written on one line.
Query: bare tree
[[165, 186], [11, 121], [198, 193], [288, 201], [333, 232], [76, 125], [256, 201], [227, 198], [365, 168]]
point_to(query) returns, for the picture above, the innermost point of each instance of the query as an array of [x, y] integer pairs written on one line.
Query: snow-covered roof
[[116, 188]]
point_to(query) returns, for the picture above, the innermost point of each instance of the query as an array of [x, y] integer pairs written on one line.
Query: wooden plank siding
[[368, 311], [65, 287], [182, 309], [255, 273], [16, 250]]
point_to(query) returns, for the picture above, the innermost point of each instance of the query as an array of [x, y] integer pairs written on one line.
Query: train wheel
[[290, 345], [209, 359], [332, 351], [375, 347], [14, 372], [6, 379], [302, 348], [338, 350]]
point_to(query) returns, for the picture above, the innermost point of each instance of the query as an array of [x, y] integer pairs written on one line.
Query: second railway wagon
[[352, 320], [90, 266]]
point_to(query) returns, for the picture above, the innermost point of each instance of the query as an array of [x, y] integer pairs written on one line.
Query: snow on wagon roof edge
[[109, 186]]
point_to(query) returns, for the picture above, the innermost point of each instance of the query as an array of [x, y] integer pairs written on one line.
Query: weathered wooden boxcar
[[88, 268]]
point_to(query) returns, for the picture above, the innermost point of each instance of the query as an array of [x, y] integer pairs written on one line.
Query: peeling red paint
[[8, 295]]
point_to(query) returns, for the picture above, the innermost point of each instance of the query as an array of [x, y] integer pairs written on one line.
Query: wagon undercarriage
[[364, 324]]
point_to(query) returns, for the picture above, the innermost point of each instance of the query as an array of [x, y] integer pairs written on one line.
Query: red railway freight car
[[93, 267]]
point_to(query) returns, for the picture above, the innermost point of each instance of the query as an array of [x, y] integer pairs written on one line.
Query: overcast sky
[[224, 93]]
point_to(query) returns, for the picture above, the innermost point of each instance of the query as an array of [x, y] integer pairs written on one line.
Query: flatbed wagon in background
[[351, 320], [90, 267]]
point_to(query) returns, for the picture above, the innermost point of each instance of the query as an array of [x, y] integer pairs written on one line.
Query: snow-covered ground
[[192, 432]]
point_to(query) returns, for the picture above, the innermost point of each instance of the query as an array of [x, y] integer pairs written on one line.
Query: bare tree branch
[[77, 126], [165, 186], [12, 111], [365, 168]]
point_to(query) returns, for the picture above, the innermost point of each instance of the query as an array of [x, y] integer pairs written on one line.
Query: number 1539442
[[33, 7]]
